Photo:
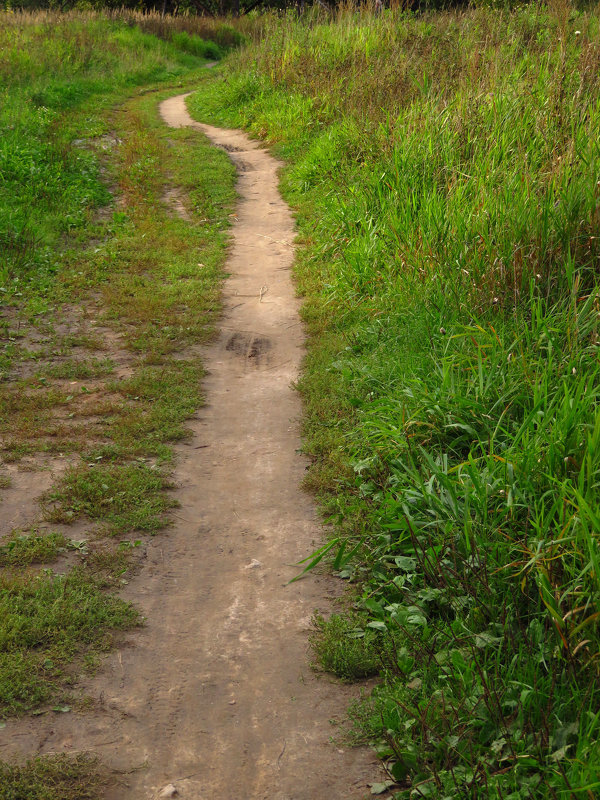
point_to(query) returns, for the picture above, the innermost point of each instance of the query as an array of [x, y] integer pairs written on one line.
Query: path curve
[[267, 716], [215, 695]]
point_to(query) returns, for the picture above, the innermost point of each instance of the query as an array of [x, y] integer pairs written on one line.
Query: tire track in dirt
[[215, 695]]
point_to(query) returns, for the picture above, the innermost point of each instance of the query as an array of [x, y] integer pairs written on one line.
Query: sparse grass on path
[[445, 168], [109, 288], [53, 778]]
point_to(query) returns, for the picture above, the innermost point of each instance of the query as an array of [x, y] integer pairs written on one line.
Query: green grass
[[79, 368], [343, 646], [161, 398], [47, 620], [126, 497], [20, 549], [106, 296], [52, 778], [444, 168], [49, 186], [61, 74]]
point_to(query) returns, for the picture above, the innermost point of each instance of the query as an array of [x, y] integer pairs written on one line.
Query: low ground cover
[[445, 170], [108, 287], [78, 778]]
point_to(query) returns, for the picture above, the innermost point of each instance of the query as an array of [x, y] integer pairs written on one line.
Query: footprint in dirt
[[254, 350]]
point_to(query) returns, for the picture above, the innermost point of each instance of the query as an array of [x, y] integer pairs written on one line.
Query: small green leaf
[[558, 755], [399, 770], [314, 559], [497, 745], [406, 563]]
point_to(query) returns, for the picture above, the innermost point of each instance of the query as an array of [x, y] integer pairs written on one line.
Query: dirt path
[[215, 695]]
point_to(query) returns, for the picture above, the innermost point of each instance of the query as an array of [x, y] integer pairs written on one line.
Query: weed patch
[[128, 497], [47, 620], [344, 647], [52, 778], [20, 549], [79, 369]]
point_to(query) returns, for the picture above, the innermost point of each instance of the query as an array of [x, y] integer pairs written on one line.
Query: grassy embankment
[[105, 293], [445, 169]]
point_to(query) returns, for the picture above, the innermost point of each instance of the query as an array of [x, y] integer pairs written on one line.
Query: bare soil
[[215, 696]]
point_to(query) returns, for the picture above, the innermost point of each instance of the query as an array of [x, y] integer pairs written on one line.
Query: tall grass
[[164, 26], [446, 172]]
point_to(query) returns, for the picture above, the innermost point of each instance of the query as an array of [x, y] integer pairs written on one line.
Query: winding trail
[[251, 721], [215, 696]]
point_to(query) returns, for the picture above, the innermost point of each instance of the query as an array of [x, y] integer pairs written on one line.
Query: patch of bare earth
[[215, 698], [49, 412], [173, 198]]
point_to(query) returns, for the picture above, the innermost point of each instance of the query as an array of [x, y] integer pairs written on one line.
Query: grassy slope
[[445, 170], [134, 268]]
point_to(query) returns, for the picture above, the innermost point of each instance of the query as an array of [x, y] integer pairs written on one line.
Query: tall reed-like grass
[[446, 171], [164, 26]]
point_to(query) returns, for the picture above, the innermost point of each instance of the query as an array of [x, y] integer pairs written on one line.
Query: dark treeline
[[214, 8], [211, 8]]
